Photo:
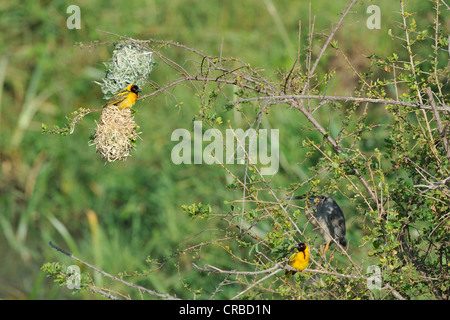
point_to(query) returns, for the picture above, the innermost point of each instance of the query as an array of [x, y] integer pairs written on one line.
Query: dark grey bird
[[327, 217]]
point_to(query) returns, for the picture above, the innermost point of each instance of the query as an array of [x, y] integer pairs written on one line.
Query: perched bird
[[299, 259], [125, 98], [327, 217]]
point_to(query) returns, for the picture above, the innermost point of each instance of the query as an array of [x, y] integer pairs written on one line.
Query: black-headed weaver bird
[[299, 259], [124, 98]]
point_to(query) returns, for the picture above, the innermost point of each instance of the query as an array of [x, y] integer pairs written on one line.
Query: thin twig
[[285, 98], [330, 38], [438, 122], [276, 268], [161, 295], [254, 284]]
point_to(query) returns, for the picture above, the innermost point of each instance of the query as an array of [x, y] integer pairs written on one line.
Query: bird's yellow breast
[[299, 260], [129, 101]]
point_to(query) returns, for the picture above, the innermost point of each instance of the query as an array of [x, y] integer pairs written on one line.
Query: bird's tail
[[288, 274]]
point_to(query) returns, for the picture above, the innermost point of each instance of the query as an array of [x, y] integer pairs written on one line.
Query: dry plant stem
[[438, 122], [286, 98], [330, 38], [436, 46], [276, 268], [277, 99], [140, 288], [443, 2], [254, 284], [395, 293]]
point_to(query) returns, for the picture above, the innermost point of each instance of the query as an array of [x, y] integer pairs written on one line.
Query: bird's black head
[[135, 89], [301, 247]]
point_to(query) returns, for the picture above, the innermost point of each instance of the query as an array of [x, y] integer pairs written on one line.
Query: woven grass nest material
[[130, 63], [116, 134]]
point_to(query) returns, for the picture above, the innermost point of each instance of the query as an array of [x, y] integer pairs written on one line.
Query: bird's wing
[[118, 97], [292, 257]]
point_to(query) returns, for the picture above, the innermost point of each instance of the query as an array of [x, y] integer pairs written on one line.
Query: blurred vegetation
[[136, 218]]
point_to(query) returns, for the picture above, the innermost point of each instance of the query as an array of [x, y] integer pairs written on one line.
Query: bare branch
[[438, 122], [286, 98], [132, 285]]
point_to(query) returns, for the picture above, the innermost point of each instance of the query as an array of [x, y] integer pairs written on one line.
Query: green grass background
[[50, 184]]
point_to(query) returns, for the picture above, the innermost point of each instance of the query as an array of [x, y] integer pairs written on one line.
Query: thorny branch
[[135, 286]]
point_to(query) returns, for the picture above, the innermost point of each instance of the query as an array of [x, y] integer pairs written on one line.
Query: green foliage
[[64, 277], [197, 210], [69, 127]]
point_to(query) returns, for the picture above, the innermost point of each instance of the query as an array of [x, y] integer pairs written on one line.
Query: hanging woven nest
[[116, 134]]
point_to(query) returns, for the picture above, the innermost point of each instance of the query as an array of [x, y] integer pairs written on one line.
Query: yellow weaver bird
[[298, 260], [125, 98]]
